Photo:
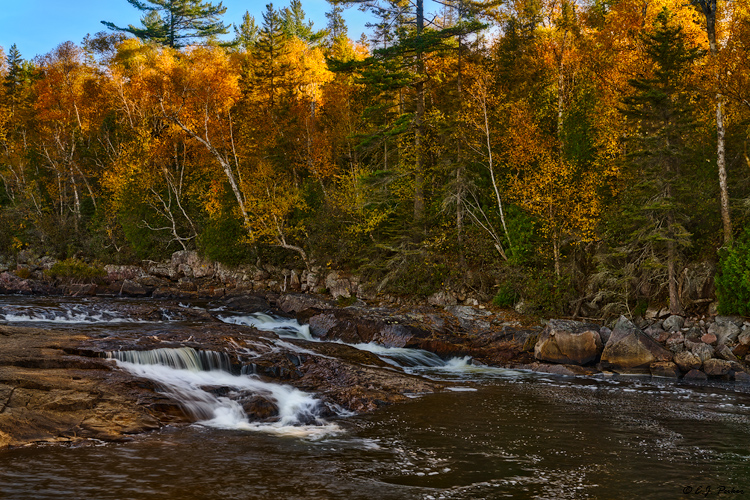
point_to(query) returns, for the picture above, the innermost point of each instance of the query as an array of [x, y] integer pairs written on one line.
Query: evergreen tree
[[660, 112], [269, 49], [293, 24], [176, 23], [336, 27], [247, 33]]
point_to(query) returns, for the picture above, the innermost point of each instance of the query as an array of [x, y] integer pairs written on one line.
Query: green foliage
[[506, 296], [546, 294], [75, 269], [223, 240], [733, 277]]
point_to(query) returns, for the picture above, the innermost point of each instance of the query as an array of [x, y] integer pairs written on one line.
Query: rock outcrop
[[629, 350], [568, 342]]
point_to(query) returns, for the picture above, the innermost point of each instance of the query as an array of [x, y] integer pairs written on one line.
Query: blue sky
[[38, 26]]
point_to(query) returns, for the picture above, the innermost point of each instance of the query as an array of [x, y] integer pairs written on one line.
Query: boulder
[[673, 323], [338, 286], [703, 351], [726, 320], [190, 264], [568, 342], [629, 350], [717, 367], [742, 377], [695, 375], [471, 319], [132, 289], [725, 332], [687, 361], [741, 350], [655, 332], [744, 337], [724, 352], [664, 369], [605, 333]]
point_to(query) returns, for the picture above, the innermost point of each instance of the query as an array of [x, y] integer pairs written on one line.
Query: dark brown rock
[[664, 369], [695, 375], [717, 367]]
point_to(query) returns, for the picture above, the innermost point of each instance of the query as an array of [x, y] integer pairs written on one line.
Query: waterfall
[[283, 327], [212, 396]]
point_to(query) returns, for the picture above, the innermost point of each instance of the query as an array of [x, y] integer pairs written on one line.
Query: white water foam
[[64, 316], [283, 327], [297, 410]]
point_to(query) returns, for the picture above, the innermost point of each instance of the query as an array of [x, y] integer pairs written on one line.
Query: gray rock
[[726, 320], [568, 342], [132, 289], [695, 375], [744, 337], [703, 351], [687, 361], [469, 318], [726, 332], [338, 286], [693, 333], [629, 350], [605, 333], [654, 332], [742, 377], [673, 323], [443, 298]]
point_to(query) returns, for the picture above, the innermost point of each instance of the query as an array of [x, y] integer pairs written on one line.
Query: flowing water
[[496, 434]]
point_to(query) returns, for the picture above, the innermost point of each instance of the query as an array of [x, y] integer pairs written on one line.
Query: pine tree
[[269, 49], [661, 114], [336, 27], [176, 23], [293, 24], [247, 33]]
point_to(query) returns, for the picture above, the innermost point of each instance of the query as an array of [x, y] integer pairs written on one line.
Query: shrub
[[76, 269], [733, 277], [506, 296]]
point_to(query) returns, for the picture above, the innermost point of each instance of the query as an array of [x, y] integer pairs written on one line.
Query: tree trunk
[[709, 11]]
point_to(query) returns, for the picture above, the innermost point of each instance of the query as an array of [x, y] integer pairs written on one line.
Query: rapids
[[494, 433]]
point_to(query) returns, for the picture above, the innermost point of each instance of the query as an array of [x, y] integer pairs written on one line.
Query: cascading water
[[283, 327], [184, 374]]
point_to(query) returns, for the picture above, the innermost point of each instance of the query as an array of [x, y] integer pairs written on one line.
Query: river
[[495, 434]]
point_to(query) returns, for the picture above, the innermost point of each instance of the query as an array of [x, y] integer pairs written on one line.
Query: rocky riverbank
[[59, 386]]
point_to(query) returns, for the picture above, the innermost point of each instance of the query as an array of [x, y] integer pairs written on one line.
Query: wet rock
[[687, 361], [664, 369], [673, 323], [260, 408], [703, 351], [695, 375], [629, 350], [725, 353], [717, 367], [246, 303], [725, 332], [568, 342], [742, 377]]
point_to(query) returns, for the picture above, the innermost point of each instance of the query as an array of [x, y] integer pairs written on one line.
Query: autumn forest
[[584, 157]]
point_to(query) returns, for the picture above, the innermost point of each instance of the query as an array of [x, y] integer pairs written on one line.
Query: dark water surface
[[497, 434]]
